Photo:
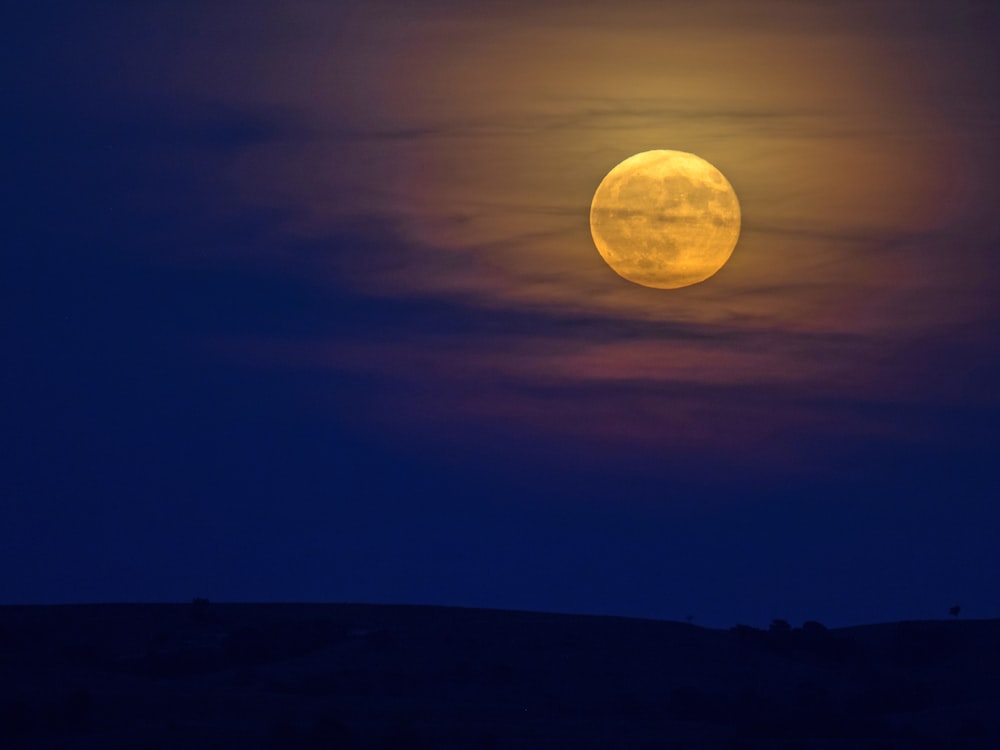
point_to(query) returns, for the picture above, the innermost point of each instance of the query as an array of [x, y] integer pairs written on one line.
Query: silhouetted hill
[[201, 675]]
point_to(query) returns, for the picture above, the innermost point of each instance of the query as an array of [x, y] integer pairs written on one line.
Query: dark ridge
[[208, 675]]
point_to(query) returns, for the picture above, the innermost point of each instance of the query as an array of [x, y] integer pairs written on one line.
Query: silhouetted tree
[[780, 637]]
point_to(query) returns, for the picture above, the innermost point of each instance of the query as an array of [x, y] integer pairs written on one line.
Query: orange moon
[[665, 219]]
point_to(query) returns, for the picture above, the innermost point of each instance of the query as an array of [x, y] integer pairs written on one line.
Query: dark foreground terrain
[[200, 675]]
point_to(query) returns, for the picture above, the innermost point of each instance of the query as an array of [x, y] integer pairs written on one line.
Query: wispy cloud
[[437, 163]]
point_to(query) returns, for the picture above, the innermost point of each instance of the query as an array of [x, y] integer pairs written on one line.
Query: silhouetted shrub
[[779, 627]]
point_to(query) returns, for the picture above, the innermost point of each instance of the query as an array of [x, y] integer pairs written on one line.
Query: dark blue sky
[[258, 349]]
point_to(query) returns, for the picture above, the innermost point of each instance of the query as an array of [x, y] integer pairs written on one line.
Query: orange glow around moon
[[665, 219]]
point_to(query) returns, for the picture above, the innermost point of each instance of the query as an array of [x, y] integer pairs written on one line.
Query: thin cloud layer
[[446, 154]]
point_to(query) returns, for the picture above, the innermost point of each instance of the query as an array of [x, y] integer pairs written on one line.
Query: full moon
[[665, 219]]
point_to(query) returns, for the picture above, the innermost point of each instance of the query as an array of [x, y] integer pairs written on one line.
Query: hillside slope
[[363, 676]]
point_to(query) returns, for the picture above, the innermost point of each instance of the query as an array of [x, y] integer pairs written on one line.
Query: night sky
[[300, 303]]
